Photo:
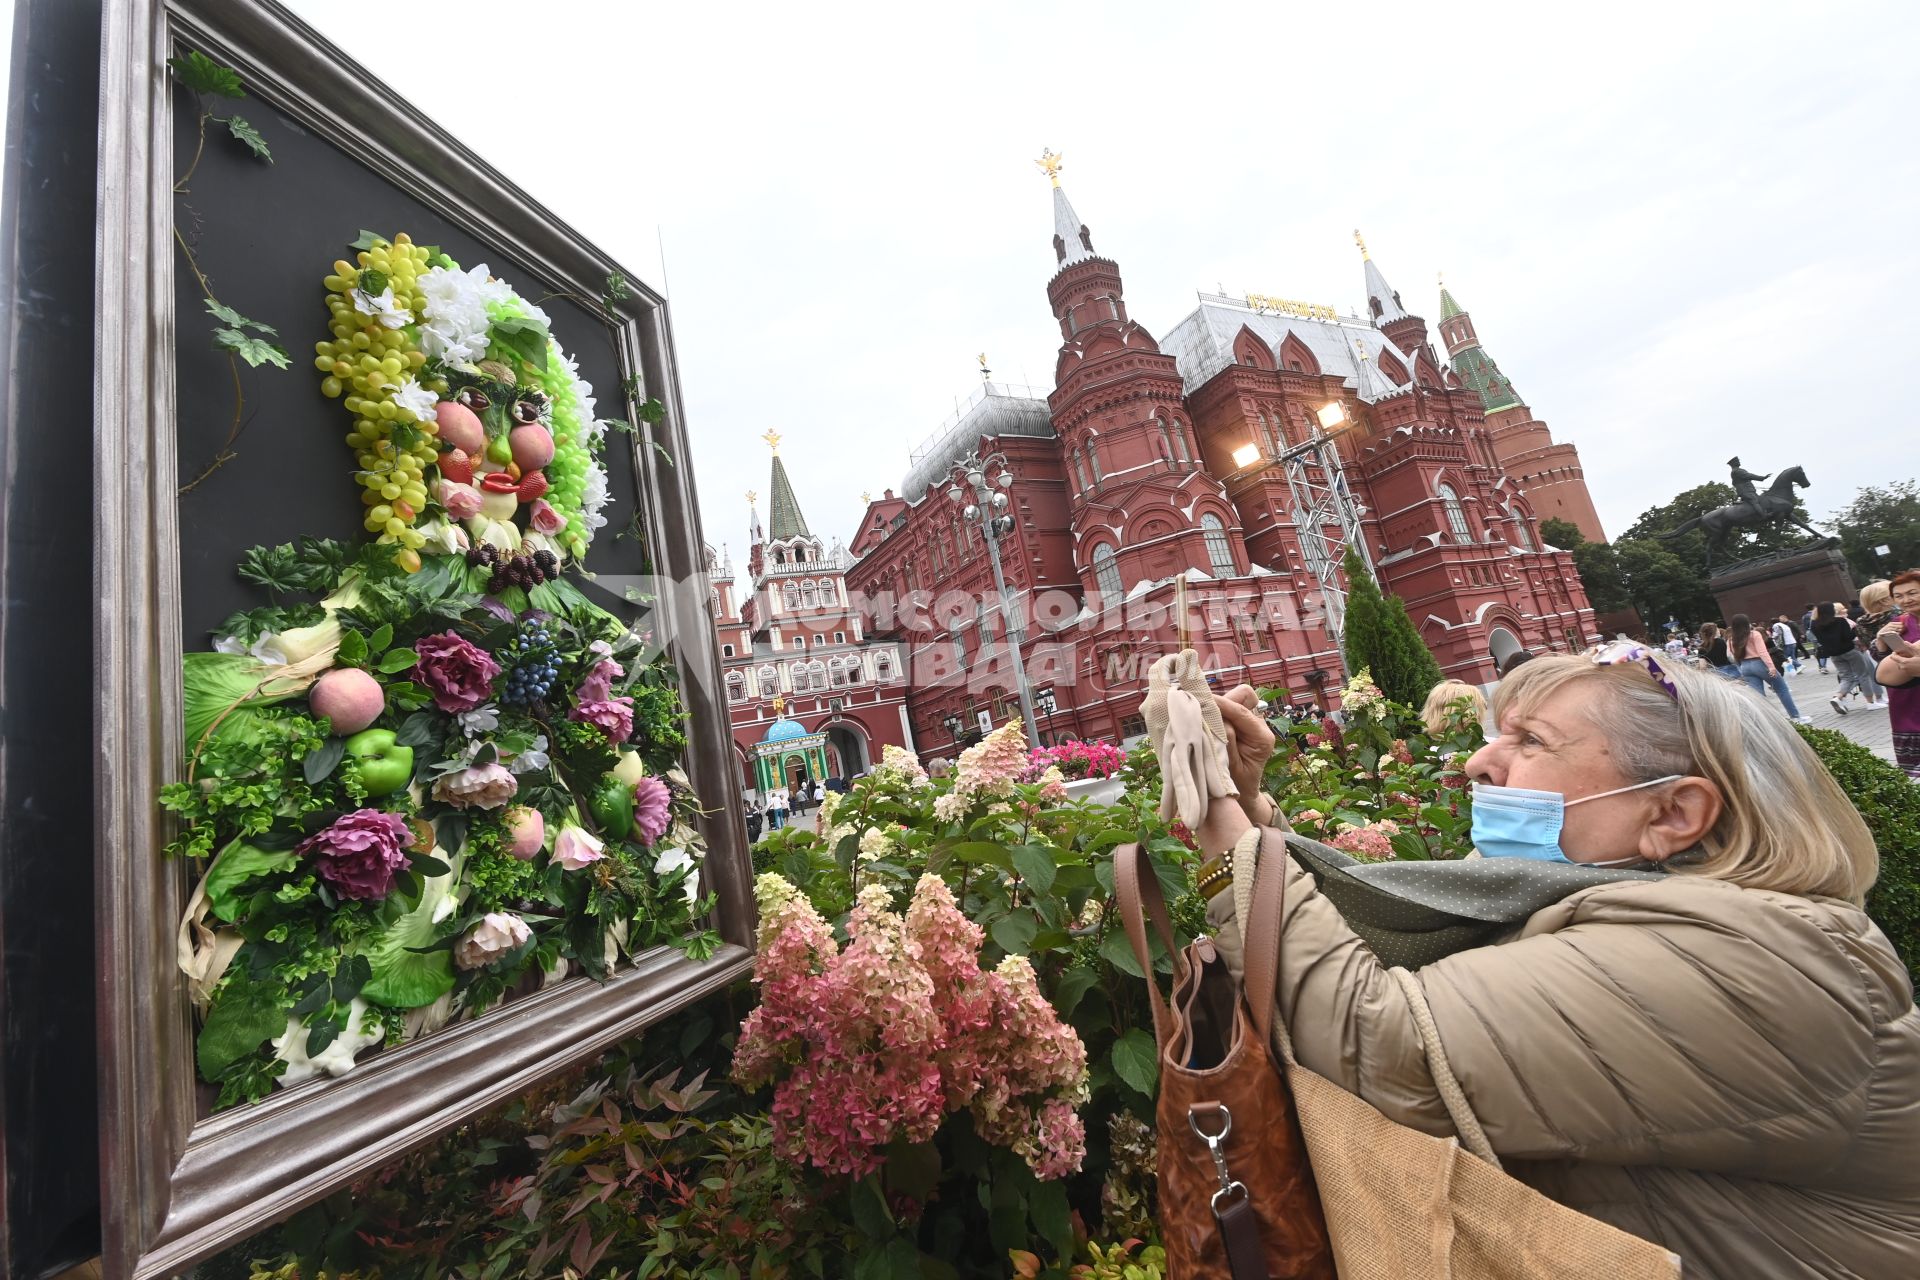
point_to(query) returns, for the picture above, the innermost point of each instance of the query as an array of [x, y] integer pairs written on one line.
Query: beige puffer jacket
[[1730, 1072]]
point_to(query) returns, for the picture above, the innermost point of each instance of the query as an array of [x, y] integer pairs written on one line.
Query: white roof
[[1202, 344]]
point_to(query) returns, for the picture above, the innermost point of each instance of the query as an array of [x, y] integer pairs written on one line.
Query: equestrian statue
[[1752, 508]]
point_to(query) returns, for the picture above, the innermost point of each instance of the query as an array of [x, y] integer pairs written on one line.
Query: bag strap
[[1452, 1096], [1260, 929], [1135, 887]]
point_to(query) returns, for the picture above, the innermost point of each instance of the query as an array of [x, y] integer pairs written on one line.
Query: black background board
[[266, 235], [49, 1214]]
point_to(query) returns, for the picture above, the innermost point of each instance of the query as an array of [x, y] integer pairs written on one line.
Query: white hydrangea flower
[[874, 845], [415, 399], [594, 496]]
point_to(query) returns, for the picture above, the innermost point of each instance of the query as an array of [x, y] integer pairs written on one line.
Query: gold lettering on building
[[1290, 307]]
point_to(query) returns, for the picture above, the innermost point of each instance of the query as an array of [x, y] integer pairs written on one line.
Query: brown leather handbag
[[1237, 1196]]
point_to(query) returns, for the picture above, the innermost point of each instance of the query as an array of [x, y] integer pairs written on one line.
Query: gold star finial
[[866, 499], [1364, 255], [752, 498], [1050, 162], [773, 439]]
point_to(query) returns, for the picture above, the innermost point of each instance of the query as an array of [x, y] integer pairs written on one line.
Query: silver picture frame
[[178, 1185]]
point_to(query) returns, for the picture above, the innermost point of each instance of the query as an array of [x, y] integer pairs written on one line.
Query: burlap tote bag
[[1402, 1204]]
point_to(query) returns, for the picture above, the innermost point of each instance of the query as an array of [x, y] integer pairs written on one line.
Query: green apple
[[382, 764]]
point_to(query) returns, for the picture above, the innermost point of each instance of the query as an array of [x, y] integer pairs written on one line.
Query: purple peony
[[613, 717], [650, 809], [358, 855], [597, 686], [458, 674]]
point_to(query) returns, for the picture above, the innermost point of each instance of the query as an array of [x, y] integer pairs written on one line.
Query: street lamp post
[[1043, 701], [988, 509]]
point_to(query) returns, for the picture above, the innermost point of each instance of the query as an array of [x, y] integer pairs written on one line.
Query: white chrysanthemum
[[454, 325], [383, 308], [415, 399], [593, 496]]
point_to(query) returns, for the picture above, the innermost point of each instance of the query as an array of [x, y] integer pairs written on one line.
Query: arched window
[[1456, 514], [883, 665], [960, 647], [769, 680], [837, 673], [1520, 530], [1180, 440], [1166, 439], [736, 686], [1080, 470], [1219, 549], [726, 651], [853, 673], [809, 594], [1106, 572], [792, 596], [1093, 460]]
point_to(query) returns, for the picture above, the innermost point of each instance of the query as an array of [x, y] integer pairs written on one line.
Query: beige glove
[[1188, 736]]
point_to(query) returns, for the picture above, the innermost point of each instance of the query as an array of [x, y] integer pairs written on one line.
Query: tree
[[1596, 562], [1382, 638], [1662, 585], [1564, 534], [1881, 516]]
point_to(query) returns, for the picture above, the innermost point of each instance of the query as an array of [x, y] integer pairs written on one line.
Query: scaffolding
[[1322, 503]]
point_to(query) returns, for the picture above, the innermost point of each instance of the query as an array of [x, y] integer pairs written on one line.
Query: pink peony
[[613, 717], [462, 501], [651, 801], [497, 934], [542, 518], [574, 849], [458, 674], [480, 786], [528, 830], [360, 853], [597, 686]]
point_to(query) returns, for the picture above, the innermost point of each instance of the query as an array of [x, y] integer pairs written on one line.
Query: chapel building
[[1156, 497]]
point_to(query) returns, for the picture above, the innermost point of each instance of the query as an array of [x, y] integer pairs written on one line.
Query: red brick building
[[1165, 472], [811, 692]]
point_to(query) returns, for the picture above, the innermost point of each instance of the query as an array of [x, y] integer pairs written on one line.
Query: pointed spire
[[1381, 299], [1448, 307], [753, 519], [1475, 368], [783, 509], [1072, 242]]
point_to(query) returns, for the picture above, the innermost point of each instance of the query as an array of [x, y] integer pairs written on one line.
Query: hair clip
[[1616, 652]]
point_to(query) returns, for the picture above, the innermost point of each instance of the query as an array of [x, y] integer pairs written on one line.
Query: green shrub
[[1891, 805]]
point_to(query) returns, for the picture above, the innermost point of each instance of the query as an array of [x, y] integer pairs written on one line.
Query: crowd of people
[[780, 805]]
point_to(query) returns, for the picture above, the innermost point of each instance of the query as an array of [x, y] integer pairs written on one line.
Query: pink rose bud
[[574, 849], [542, 518], [528, 830], [462, 501]]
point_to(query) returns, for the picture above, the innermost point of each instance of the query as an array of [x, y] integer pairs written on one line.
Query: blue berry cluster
[[533, 664]]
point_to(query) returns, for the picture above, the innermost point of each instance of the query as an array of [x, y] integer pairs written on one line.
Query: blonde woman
[[1702, 1038], [1451, 706]]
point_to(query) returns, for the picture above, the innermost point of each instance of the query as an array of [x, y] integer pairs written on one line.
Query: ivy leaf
[[367, 240], [202, 74], [255, 351], [1136, 1060], [275, 568], [374, 283], [616, 290], [246, 1015], [323, 760], [397, 660], [249, 135], [322, 1035]]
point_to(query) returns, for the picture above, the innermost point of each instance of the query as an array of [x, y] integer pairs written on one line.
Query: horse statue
[[1775, 506]]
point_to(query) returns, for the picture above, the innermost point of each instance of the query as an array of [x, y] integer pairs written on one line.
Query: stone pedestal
[[1765, 589]]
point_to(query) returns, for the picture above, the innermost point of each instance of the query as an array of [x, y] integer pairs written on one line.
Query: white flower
[[383, 308], [415, 399], [951, 805], [478, 720], [534, 758], [443, 537], [874, 845], [336, 1059], [594, 495], [671, 859], [454, 321], [828, 803]]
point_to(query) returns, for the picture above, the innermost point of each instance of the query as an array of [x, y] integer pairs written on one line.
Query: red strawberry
[[533, 485], [456, 466]]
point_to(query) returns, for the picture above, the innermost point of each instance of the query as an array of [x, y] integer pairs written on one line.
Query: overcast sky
[[1685, 230]]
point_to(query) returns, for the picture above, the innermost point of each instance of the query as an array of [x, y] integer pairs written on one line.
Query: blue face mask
[[1513, 822]]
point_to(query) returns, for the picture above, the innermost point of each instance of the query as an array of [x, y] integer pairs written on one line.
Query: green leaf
[[1136, 1060], [323, 760], [368, 239], [525, 338], [400, 976], [246, 1015], [653, 411], [322, 1034], [1116, 951], [202, 74], [1035, 865], [374, 283], [419, 729], [226, 315], [396, 660], [353, 648], [1014, 933], [255, 351], [249, 135], [236, 865], [1073, 984], [1052, 1218], [381, 638], [870, 1213]]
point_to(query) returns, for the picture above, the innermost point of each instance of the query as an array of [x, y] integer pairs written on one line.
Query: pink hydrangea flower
[[480, 786]]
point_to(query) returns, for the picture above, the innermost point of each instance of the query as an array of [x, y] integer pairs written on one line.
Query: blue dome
[[784, 730]]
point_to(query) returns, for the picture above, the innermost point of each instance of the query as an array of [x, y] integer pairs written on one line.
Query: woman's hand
[[1250, 743]]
